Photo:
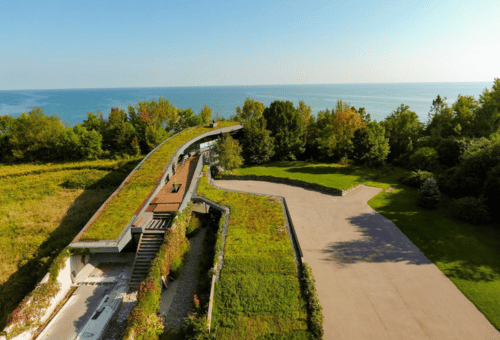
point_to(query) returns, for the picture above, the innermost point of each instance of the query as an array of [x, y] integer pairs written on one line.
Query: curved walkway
[[372, 281]]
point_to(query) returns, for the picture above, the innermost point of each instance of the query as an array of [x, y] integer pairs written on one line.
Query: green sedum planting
[[119, 210], [258, 294]]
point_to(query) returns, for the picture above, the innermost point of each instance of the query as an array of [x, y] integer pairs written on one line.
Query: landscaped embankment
[[259, 292]]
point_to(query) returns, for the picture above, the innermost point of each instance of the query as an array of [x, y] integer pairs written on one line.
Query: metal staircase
[[149, 244]]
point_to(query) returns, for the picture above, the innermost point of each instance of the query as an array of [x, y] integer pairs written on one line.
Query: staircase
[[149, 244]]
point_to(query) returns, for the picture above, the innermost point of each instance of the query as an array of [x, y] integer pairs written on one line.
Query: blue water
[[379, 100]]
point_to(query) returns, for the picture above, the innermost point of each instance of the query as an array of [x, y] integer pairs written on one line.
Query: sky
[[106, 43]]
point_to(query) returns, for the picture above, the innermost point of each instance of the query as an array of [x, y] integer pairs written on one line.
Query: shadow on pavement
[[380, 242]]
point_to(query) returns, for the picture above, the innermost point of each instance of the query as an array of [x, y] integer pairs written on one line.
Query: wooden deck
[[168, 201]]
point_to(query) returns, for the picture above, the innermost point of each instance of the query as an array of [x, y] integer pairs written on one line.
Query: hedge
[[315, 311]]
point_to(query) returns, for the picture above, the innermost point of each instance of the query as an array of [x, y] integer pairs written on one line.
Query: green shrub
[[194, 225], [471, 209], [428, 194], [416, 178], [314, 306], [424, 158]]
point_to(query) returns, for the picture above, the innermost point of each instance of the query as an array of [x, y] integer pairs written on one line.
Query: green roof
[[118, 211]]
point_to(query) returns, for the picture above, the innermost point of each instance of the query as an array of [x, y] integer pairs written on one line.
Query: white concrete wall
[[64, 280]]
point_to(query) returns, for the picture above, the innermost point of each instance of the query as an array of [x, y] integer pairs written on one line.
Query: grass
[[258, 294], [468, 255], [118, 212], [318, 173], [39, 217]]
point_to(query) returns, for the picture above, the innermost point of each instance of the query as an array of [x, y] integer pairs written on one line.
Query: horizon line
[[242, 85]]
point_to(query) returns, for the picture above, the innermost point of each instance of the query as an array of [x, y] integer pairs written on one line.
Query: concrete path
[[372, 281], [76, 312]]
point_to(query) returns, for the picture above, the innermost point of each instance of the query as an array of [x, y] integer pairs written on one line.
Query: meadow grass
[[39, 216], [258, 294], [468, 255], [118, 212]]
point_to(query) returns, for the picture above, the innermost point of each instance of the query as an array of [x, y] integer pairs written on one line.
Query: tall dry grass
[[39, 217]]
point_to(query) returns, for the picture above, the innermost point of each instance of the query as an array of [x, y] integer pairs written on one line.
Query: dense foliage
[[459, 145], [38, 137], [229, 152]]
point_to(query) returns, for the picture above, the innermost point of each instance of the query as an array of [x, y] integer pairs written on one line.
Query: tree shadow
[[29, 274], [463, 251], [380, 242], [91, 303]]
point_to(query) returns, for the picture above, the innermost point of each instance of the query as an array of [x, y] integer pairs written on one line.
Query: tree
[[119, 135], [257, 143], [34, 136], [428, 194], [335, 130], [229, 152], [487, 118], [441, 121], [205, 115], [402, 128], [370, 146], [251, 108], [6, 127], [187, 119], [154, 135], [287, 127], [463, 116], [90, 142]]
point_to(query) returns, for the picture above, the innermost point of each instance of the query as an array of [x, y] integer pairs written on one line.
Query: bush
[[315, 310], [471, 209], [424, 158], [428, 194], [194, 225], [416, 178]]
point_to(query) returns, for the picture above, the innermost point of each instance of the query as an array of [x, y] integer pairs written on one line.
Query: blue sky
[[90, 44]]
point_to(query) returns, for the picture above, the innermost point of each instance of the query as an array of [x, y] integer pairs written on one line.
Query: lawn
[[468, 255], [118, 212], [258, 294], [318, 173], [42, 208]]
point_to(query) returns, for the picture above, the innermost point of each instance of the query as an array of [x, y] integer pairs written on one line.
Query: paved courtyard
[[372, 281]]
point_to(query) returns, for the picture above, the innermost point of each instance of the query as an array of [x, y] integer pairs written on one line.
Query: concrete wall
[[65, 282]]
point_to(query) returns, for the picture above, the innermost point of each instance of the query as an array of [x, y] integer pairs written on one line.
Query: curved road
[[372, 281]]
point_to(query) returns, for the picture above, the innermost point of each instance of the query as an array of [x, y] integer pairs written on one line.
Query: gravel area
[[177, 301]]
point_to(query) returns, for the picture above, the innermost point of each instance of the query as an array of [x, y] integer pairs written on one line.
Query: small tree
[[428, 194], [229, 152], [258, 145]]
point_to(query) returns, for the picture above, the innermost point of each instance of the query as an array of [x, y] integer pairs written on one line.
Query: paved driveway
[[372, 281]]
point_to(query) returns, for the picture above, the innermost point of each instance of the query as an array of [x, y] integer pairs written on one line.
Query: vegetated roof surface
[[258, 293], [116, 214]]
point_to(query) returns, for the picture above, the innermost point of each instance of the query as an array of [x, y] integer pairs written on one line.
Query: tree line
[[39, 137], [459, 145]]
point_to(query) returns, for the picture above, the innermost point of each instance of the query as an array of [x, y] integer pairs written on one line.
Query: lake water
[[379, 100]]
